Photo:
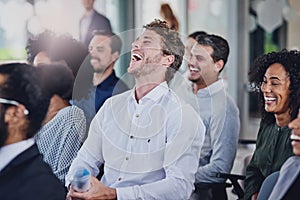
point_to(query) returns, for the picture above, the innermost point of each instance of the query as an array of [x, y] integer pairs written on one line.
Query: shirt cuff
[[125, 193]]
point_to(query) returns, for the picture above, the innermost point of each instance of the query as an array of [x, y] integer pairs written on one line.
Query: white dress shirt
[[9, 152], [150, 149]]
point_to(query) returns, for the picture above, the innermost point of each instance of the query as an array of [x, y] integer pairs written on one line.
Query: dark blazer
[[28, 177], [99, 22]]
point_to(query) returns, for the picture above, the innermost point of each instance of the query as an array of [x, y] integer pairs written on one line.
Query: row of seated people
[[218, 142]]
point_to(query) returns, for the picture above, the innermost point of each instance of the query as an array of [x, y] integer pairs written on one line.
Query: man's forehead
[[150, 34], [201, 49], [101, 39]]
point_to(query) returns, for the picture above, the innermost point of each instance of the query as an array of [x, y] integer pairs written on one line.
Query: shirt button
[[137, 115], [126, 158], [119, 179], [131, 137]]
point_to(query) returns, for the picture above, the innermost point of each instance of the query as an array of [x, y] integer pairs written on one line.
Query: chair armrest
[[234, 181]]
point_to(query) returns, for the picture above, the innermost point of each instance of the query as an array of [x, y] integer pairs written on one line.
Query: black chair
[[233, 182]]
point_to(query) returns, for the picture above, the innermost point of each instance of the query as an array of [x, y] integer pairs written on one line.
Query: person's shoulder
[[231, 104], [291, 161], [99, 15], [120, 87], [72, 111], [178, 104], [120, 98], [75, 110]]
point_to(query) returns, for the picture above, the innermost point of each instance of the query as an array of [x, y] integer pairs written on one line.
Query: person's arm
[[181, 157], [254, 176], [180, 161], [71, 145], [254, 196], [224, 129], [90, 154], [253, 180]]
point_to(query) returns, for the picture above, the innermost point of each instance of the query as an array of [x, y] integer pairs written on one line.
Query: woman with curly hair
[[276, 78], [167, 14], [48, 47]]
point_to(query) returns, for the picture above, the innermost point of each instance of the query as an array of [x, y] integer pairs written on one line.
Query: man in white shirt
[[147, 138]]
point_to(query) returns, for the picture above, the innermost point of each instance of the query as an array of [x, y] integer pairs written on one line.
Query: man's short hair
[[22, 85], [115, 40], [218, 44], [195, 34], [171, 44]]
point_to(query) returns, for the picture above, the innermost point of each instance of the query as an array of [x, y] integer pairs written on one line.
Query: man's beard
[[150, 65], [195, 79], [3, 129]]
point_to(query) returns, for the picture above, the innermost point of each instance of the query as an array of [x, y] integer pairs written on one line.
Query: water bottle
[[81, 180]]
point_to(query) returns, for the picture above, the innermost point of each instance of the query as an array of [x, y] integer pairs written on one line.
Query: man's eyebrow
[[99, 46], [148, 37]]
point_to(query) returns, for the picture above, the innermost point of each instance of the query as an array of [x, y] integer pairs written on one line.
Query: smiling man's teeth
[[295, 137], [136, 57], [194, 69], [270, 99]]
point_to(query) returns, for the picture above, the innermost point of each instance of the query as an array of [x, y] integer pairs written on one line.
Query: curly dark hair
[[58, 47], [171, 44], [290, 60], [22, 85], [35, 44]]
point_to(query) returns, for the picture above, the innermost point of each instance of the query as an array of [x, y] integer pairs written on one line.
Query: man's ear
[[115, 56], [168, 60], [15, 114], [219, 65]]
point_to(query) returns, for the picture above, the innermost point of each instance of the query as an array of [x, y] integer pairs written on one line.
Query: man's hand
[[254, 196], [98, 191]]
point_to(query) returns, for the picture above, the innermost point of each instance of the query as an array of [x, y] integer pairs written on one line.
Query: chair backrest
[[268, 186]]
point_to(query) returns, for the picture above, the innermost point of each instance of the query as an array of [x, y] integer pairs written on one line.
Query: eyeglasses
[[12, 102]]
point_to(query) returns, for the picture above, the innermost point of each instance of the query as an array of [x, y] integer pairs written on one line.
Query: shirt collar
[[90, 14], [156, 93], [106, 83], [9, 152], [212, 88]]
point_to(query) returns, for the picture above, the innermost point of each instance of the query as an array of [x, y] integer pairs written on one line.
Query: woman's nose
[[266, 87]]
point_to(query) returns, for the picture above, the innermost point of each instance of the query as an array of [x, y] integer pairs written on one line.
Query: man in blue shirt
[[219, 113], [104, 48]]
